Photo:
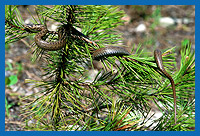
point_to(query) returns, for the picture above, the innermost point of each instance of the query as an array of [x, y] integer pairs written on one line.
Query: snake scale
[[42, 32], [97, 54], [159, 62]]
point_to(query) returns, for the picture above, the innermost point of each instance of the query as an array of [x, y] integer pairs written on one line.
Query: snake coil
[[50, 46]]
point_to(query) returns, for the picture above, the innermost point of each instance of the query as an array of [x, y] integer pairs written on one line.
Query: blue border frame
[[102, 2], [97, 2]]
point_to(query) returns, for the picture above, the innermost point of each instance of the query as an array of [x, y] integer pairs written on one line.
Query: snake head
[[34, 27]]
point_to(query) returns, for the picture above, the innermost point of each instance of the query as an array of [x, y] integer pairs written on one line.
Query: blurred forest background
[[152, 27]]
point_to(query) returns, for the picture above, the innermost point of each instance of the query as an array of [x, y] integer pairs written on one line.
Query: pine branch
[[119, 97]]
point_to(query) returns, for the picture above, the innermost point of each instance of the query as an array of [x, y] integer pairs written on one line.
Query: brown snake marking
[[97, 54], [109, 51], [62, 31], [119, 51], [158, 58], [62, 35], [50, 46]]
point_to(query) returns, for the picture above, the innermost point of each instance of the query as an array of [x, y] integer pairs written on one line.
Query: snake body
[[119, 51], [109, 51], [62, 36], [158, 58], [97, 54], [50, 46]]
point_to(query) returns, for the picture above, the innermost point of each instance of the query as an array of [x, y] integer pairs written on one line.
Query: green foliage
[[119, 97], [12, 79], [13, 34], [155, 19], [156, 15], [7, 107]]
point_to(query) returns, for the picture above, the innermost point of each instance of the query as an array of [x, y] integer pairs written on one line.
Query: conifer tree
[[120, 95]]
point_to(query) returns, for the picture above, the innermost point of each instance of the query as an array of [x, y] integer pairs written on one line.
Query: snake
[[109, 51], [43, 31], [97, 53], [63, 31], [119, 51], [159, 62]]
